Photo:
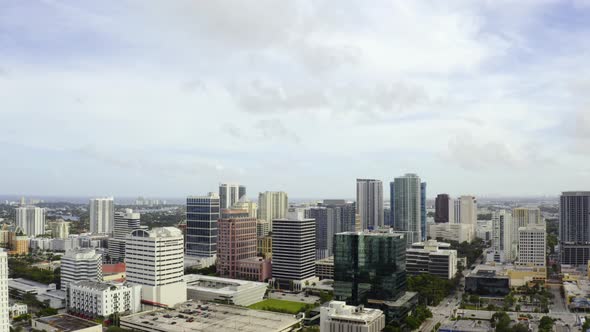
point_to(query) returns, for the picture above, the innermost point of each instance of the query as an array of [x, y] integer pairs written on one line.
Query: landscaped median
[[288, 307]]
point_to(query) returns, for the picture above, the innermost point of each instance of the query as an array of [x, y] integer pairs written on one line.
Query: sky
[[170, 98]]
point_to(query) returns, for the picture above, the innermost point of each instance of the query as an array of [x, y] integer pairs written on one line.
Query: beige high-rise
[[272, 205]]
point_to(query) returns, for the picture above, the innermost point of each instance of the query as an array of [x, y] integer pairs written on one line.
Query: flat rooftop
[[217, 317], [28, 285], [66, 323]]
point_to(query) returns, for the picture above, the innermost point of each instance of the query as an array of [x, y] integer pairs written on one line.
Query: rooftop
[[28, 285], [100, 286], [216, 317], [66, 323], [217, 284], [349, 312], [157, 232]]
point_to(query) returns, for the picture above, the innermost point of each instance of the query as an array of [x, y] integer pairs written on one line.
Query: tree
[[546, 324]]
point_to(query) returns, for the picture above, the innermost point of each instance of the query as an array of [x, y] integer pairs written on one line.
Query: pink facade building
[[236, 240], [255, 269]]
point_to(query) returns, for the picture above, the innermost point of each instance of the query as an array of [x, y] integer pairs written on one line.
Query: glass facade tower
[[369, 266], [202, 213]]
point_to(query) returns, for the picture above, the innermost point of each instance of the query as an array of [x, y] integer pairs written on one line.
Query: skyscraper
[[407, 206], [102, 215], [369, 266], [4, 309], [202, 213], [60, 229], [345, 213], [236, 240], [423, 210], [230, 194], [293, 251], [326, 225], [369, 202], [444, 209], [155, 260], [532, 245], [31, 220], [574, 227], [125, 223], [502, 236], [523, 217], [272, 205]]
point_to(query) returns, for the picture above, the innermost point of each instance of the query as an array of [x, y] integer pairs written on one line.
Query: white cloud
[[406, 84]]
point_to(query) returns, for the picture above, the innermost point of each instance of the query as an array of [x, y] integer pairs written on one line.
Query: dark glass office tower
[[202, 213], [423, 210], [369, 266], [442, 208], [574, 227]]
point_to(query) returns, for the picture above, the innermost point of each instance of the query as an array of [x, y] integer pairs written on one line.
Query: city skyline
[[499, 109]]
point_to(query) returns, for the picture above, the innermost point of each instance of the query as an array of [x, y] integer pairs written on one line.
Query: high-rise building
[[125, 223], [406, 204], [369, 266], [436, 258], [369, 202], [245, 204], [31, 220], [230, 194], [202, 213], [272, 205], [60, 229], [574, 227], [102, 215], [444, 209], [344, 212], [522, 217], [337, 316], [423, 211], [155, 260], [326, 225], [236, 240], [466, 210], [502, 236], [293, 251], [532, 245], [80, 264], [4, 309]]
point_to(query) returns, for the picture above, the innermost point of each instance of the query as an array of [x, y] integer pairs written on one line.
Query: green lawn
[[280, 306]]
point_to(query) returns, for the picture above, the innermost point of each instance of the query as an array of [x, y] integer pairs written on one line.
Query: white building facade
[[451, 232], [97, 299], [80, 264], [125, 223], [155, 260], [432, 257], [272, 205], [31, 220], [4, 307], [102, 215], [532, 245], [224, 290], [337, 317]]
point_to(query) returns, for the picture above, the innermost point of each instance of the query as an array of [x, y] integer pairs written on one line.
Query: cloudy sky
[[169, 98]]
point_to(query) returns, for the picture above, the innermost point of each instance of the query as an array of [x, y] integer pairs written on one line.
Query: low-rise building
[[196, 316], [337, 316], [224, 290], [97, 299], [255, 269], [324, 268], [56, 299], [432, 257], [65, 323], [17, 309], [20, 286], [452, 232], [487, 280]]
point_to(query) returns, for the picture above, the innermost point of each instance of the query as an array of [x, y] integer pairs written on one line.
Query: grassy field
[[279, 306]]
